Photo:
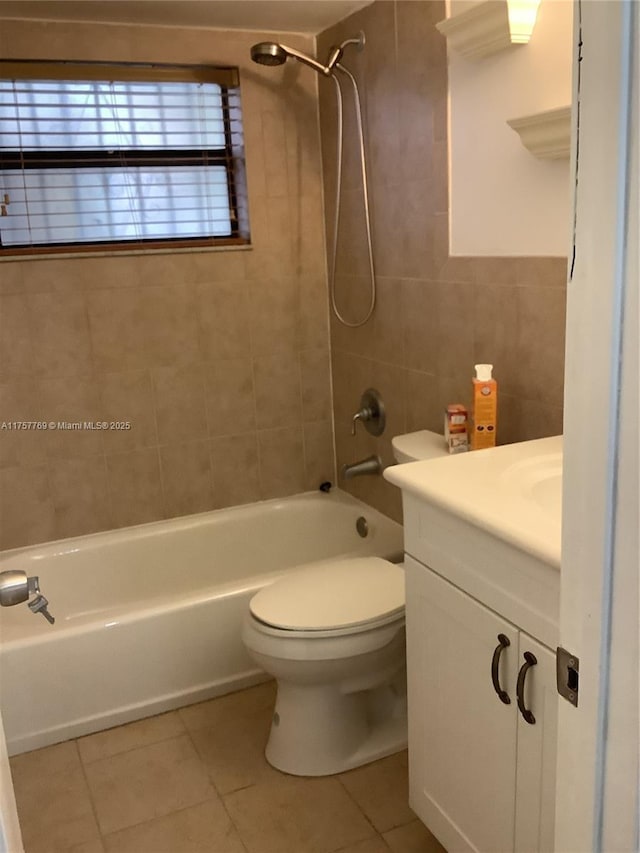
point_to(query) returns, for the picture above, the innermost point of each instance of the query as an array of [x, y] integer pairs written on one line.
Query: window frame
[[226, 77]]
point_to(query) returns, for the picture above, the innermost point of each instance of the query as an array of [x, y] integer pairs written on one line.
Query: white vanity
[[482, 542]]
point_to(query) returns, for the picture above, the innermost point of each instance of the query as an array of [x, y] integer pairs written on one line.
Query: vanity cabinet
[[482, 777]]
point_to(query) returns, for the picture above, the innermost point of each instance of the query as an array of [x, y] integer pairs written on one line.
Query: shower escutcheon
[[371, 413]]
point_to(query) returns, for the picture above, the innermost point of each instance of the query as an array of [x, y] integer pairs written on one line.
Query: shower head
[[270, 53]]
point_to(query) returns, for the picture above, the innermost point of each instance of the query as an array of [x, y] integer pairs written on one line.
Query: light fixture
[[490, 27], [522, 19]]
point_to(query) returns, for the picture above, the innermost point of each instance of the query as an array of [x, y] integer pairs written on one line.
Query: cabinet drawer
[[490, 570]]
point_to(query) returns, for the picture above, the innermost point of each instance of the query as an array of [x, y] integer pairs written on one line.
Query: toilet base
[[319, 731]]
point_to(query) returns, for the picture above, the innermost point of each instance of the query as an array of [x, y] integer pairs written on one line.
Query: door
[[462, 737], [10, 837], [536, 766]]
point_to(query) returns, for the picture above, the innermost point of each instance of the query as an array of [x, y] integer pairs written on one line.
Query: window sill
[[7, 255]]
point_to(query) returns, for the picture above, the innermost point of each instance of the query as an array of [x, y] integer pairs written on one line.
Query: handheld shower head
[[268, 53]]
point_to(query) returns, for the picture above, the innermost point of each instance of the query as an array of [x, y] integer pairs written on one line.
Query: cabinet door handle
[[503, 642], [529, 661]]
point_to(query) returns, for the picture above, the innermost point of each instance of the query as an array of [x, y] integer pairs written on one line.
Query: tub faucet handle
[[41, 605]]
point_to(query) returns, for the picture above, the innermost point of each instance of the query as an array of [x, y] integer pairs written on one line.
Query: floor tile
[[232, 745], [259, 699], [381, 789], [131, 736], [95, 846], [205, 828], [60, 758], [294, 815], [376, 844], [147, 783], [53, 800], [413, 838]]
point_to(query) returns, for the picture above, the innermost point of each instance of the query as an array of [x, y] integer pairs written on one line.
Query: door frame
[[597, 770]]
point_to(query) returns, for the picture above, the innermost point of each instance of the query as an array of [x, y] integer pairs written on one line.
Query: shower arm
[[308, 60]]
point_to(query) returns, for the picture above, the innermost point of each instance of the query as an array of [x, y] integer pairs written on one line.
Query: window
[[97, 156]]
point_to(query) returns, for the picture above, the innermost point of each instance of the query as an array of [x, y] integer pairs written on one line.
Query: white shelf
[[490, 27], [547, 134]]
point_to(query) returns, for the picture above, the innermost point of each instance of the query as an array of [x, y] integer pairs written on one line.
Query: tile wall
[[220, 360], [436, 315]]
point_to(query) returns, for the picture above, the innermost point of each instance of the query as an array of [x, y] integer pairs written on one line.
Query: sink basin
[[513, 491], [538, 479]]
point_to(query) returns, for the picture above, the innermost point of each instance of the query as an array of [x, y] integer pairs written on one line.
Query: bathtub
[[148, 618]]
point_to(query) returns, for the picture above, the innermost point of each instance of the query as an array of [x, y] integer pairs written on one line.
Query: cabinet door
[[462, 738], [536, 769]]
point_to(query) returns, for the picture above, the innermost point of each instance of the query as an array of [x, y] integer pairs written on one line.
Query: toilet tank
[[416, 446]]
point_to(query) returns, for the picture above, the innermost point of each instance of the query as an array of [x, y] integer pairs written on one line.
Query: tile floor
[[196, 781]]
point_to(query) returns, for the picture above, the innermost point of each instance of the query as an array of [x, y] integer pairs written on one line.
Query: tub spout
[[370, 465]]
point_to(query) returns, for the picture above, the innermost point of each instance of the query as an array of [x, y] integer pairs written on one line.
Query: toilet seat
[[333, 596]]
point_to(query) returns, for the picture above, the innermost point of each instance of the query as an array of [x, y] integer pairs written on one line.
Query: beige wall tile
[[281, 455], [11, 278], [313, 322], [543, 272], [169, 324], [278, 393], [114, 318], [179, 402], [319, 454], [235, 468], [541, 325], [231, 405], [315, 381], [420, 324], [26, 509], [73, 401], [274, 315], [223, 317], [128, 396], [496, 332], [60, 332], [423, 404], [19, 401], [135, 487], [186, 478], [16, 355], [80, 496], [120, 320]]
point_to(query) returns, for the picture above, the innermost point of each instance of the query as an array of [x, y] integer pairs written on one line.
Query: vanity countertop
[[513, 491]]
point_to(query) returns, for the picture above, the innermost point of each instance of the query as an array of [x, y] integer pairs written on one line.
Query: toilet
[[332, 634]]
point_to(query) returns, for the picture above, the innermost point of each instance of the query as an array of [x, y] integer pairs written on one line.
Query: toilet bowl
[[332, 634]]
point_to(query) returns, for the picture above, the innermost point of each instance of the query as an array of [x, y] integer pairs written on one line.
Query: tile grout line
[[217, 791], [94, 809]]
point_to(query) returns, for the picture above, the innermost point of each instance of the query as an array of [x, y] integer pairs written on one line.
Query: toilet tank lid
[[332, 594], [419, 445]]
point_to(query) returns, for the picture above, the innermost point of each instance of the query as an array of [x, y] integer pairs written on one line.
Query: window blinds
[[86, 161]]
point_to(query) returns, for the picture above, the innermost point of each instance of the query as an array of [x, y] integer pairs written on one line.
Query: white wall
[[503, 200]]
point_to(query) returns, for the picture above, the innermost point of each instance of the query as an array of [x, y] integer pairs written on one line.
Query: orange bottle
[[485, 408]]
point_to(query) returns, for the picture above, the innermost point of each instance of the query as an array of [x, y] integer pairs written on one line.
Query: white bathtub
[[148, 618]]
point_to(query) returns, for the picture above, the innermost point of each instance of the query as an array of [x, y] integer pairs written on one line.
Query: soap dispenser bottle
[[485, 408]]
